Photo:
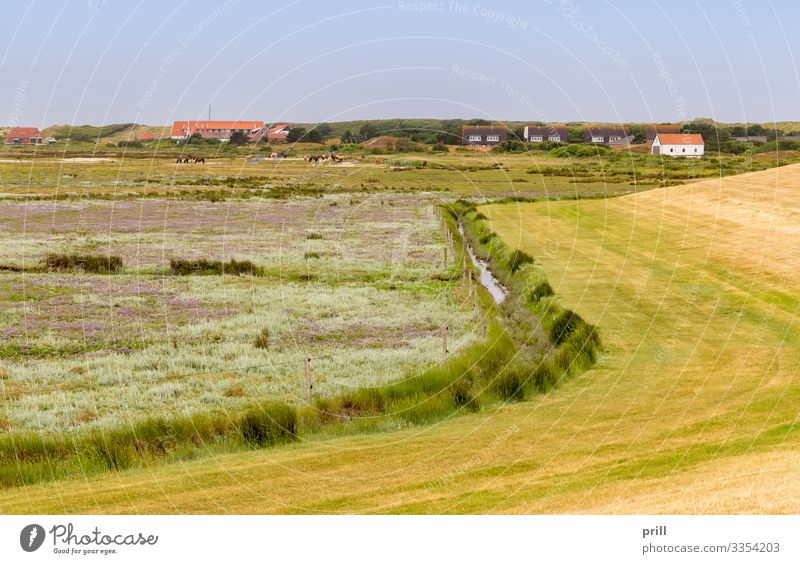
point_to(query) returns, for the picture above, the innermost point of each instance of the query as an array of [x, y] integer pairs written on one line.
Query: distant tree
[[295, 134], [575, 135], [313, 136], [324, 130], [239, 138], [637, 133], [367, 131], [348, 138]]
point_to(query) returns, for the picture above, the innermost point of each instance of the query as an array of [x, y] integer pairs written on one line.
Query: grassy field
[[691, 409]]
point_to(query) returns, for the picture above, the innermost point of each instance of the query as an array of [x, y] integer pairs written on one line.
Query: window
[[474, 137], [683, 150], [695, 149], [556, 138], [536, 138], [671, 150], [597, 138], [612, 138], [493, 138]]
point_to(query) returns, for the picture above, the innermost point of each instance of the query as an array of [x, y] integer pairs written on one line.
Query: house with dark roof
[[541, 133], [679, 145], [221, 130], [483, 135], [607, 135], [24, 136]]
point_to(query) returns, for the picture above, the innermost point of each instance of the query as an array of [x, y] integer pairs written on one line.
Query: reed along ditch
[[532, 346]]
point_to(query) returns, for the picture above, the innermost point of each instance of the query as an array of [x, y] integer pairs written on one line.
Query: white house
[[679, 145]]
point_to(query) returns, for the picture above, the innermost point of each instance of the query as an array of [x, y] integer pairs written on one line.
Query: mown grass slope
[[691, 409]]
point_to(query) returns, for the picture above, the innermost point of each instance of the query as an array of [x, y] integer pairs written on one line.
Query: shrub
[[541, 290], [268, 424], [313, 236], [518, 259], [510, 383], [564, 325], [311, 255], [184, 267], [262, 339], [97, 264]]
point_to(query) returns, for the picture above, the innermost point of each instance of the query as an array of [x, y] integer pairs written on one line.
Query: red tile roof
[[183, 128], [680, 139], [24, 132], [146, 136]]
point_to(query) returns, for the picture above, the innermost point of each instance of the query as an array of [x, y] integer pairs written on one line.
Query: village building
[[541, 133], [24, 136], [679, 145], [483, 135], [607, 135], [752, 138], [220, 130]]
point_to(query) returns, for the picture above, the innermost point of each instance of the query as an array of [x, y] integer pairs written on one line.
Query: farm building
[[607, 135], [650, 131], [538, 134], [273, 133], [483, 135], [221, 130], [679, 145], [24, 136]]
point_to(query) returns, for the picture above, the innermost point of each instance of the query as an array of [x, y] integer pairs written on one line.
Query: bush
[[541, 290], [268, 424], [564, 325], [98, 264], [314, 236], [184, 267], [518, 259], [262, 339], [311, 255]]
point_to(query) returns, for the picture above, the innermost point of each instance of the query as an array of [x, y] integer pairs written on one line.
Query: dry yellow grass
[[692, 409]]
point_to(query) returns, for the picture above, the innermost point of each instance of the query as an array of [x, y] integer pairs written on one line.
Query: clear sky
[[146, 61]]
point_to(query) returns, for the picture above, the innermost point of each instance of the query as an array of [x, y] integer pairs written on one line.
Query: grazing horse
[[199, 160]]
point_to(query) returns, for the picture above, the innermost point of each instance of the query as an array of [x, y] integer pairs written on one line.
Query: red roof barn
[[24, 136]]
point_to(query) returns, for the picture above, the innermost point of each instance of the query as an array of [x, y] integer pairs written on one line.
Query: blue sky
[[109, 61]]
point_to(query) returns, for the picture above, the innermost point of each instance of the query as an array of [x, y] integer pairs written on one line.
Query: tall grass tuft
[[517, 259], [95, 264], [204, 267], [262, 339], [268, 424]]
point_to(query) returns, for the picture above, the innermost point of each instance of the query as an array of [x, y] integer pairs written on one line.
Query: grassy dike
[[532, 345]]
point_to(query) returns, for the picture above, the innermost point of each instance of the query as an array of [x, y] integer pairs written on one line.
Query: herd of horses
[[324, 158], [186, 159], [190, 159]]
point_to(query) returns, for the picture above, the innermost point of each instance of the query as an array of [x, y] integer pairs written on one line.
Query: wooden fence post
[[444, 341], [309, 384]]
